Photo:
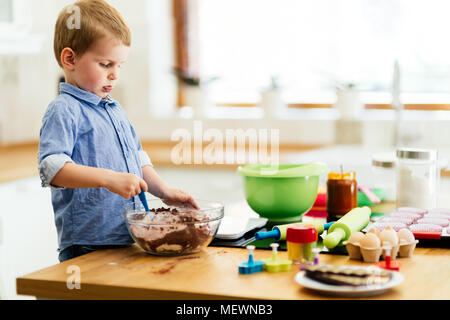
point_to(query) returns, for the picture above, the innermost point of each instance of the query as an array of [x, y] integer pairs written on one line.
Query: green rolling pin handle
[[333, 238]]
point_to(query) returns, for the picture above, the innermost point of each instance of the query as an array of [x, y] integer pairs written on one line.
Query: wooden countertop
[[130, 273]]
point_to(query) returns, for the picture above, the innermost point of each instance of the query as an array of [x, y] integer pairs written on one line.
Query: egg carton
[[369, 247]]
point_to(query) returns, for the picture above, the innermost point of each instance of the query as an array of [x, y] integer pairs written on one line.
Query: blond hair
[[96, 19]]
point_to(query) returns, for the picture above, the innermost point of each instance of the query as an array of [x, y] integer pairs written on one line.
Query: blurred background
[[295, 65], [338, 81]]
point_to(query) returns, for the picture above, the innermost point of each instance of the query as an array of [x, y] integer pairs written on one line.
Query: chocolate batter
[[183, 233]]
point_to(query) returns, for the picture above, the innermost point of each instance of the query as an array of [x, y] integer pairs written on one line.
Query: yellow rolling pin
[[353, 221]]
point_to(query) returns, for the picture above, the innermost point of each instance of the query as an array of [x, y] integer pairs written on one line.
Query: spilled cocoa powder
[[172, 265], [165, 270]]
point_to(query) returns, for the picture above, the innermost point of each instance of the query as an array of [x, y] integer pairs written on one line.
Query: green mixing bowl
[[283, 192]]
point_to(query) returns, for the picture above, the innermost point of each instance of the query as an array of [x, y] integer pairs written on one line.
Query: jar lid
[[301, 234], [351, 175], [418, 154], [384, 160], [383, 163]]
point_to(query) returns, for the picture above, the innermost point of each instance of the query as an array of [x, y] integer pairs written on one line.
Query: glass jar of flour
[[417, 178]]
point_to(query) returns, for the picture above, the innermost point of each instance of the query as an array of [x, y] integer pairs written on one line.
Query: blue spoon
[[144, 201]]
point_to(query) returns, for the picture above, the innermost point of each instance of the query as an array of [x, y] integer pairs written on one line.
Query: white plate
[[349, 291]]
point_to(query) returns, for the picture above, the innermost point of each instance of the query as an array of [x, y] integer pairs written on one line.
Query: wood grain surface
[[130, 273]]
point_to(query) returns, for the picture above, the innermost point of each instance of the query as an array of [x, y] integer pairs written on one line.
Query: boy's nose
[[112, 76]]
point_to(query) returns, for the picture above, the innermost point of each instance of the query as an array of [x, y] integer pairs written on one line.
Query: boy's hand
[[180, 198], [126, 185]]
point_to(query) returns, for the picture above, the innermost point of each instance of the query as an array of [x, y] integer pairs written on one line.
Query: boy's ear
[[68, 59]]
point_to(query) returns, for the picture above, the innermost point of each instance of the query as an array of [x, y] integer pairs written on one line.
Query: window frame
[[185, 14]]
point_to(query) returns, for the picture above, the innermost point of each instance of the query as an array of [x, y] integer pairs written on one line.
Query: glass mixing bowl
[[172, 231]]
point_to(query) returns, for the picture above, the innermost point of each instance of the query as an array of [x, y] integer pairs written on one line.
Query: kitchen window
[[312, 47], [6, 11], [14, 16], [16, 23]]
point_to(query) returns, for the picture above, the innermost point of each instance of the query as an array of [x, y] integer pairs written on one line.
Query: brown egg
[[375, 231], [405, 236], [389, 235], [355, 237], [370, 241]]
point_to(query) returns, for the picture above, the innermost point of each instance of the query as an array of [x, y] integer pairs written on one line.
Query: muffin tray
[[433, 224]]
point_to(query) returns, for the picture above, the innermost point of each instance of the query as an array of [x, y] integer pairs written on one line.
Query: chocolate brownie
[[344, 275]]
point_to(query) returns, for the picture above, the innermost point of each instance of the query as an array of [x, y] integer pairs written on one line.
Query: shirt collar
[[84, 95]]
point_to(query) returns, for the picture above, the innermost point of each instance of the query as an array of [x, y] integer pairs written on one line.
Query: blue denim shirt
[[80, 127]]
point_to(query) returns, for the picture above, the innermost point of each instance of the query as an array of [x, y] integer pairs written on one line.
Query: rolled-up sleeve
[[50, 166], [56, 143], [145, 159]]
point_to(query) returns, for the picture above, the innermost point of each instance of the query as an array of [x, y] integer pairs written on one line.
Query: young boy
[[89, 152]]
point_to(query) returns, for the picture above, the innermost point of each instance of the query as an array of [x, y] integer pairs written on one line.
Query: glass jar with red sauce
[[342, 194]]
